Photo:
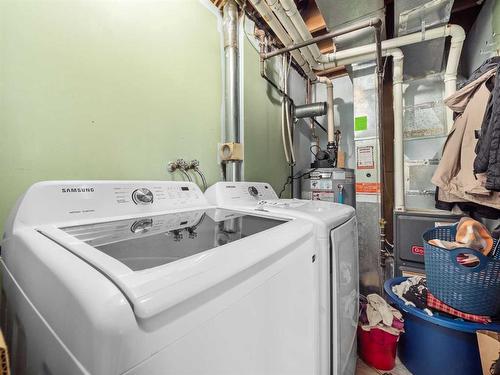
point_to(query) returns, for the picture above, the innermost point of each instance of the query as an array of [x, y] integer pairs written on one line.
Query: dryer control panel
[[239, 193]]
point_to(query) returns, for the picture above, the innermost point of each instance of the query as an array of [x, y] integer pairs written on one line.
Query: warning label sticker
[[321, 184], [365, 158], [368, 187]]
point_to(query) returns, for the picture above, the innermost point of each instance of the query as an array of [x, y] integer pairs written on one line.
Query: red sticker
[[417, 250]]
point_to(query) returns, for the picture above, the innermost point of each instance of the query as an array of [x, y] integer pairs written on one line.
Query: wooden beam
[[313, 18], [325, 46]]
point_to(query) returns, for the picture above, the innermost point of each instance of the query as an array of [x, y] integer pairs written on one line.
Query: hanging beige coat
[[454, 175]]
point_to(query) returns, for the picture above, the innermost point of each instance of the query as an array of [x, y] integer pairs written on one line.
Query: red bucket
[[377, 348]]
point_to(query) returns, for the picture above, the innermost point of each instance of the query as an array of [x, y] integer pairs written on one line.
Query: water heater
[[329, 184]]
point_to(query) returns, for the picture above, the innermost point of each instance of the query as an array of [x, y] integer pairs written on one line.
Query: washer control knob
[[141, 226], [252, 190], [142, 196]]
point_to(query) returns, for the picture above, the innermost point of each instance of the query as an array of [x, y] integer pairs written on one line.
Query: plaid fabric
[[433, 302]]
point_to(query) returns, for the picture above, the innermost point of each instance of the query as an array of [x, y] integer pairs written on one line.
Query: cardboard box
[[4, 357], [489, 349]]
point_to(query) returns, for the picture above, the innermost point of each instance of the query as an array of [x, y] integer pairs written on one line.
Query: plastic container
[[377, 348], [474, 290], [437, 344]]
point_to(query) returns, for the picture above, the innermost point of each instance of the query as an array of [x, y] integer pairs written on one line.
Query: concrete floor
[[363, 369]]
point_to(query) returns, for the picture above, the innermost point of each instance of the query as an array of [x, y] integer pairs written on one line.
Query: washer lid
[[159, 261], [147, 242]]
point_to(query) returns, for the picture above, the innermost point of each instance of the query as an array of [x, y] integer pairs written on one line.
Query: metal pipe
[[380, 115], [373, 22], [231, 84], [310, 110]]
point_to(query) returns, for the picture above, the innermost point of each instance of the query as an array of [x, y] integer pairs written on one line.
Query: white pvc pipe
[[329, 106], [272, 21], [450, 75], [291, 30], [456, 32], [397, 107], [293, 14]]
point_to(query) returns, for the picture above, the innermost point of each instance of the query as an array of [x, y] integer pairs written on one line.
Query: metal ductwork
[[310, 110], [231, 137], [340, 13], [412, 16]]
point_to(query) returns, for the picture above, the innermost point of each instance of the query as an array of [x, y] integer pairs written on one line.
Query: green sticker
[[360, 123]]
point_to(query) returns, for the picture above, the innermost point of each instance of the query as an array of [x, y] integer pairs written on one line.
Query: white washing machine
[[336, 246], [145, 277]]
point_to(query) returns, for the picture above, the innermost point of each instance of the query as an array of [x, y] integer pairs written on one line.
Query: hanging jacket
[[454, 175], [488, 146], [488, 64]]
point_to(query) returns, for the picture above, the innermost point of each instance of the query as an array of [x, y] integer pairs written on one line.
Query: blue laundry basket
[[474, 290], [437, 344]]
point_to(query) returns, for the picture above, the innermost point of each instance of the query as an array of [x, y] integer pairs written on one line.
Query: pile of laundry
[[413, 291], [377, 313]]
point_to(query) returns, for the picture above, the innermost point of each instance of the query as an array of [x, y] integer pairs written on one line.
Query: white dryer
[[336, 248], [145, 277]]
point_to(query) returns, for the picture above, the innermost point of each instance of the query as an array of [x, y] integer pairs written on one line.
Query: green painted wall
[[105, 90], [114, 89], [264, 157]]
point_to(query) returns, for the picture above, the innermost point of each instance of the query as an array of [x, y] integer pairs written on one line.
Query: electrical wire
[[290, 179], [312, 152]]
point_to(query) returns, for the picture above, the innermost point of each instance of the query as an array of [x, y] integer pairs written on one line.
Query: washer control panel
[[67, 201], [142, 196], [253, 191]]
